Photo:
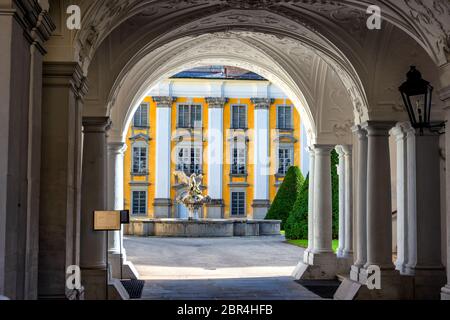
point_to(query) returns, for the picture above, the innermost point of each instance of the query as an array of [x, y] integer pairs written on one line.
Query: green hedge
[[286, 196], [297, 223]]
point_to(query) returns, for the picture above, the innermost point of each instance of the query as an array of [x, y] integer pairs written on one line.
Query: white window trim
[[232, 144], [238, 190], [231, 114], [187, 144], [139, 189], [190, 104], [292, 114], [291, 148], [148, 115], [139, 144]]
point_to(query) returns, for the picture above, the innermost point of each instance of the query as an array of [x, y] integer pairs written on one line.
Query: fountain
[[191, 195]]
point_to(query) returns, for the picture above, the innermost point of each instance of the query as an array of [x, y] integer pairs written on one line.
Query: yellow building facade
[[241, 135]]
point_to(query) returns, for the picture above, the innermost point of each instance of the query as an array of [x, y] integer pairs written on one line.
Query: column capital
[[117, 147], [360, 132], [378, 128], [401, 130], [96, 124], [340, 151], [347, 149], [65, 74], [164, 102], [444, 95], [262, 103], [323, 149], [216, 103]]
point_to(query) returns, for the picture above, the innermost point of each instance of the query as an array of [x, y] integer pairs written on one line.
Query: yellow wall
[[227, 148]]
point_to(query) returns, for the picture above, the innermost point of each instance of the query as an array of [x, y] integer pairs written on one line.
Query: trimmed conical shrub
[[286, 196], [297, 222]]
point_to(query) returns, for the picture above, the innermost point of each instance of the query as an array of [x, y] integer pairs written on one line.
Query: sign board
[[107, 220], [125, 217]]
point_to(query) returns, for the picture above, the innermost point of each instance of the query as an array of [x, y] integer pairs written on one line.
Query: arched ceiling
[[342, 21]]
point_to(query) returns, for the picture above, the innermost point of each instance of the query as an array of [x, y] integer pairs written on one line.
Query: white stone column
[[342, 190], [163, 204], [261, 200], [115, 178], [402, 177], [323, 259], [361, 204], [310, 205], [94, 197], [379, 206], [215, 157], [348, 216]]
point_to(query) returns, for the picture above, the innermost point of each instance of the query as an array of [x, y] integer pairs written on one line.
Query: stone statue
[[191, 196]]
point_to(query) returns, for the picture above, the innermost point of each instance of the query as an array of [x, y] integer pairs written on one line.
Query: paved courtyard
[[225, 268]]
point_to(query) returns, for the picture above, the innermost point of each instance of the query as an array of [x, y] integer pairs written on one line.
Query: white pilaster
[[348, 216], [215, 156], [261, 200], [361, 204], [162, 205], [310, 205], [402, 196], [341, 174]]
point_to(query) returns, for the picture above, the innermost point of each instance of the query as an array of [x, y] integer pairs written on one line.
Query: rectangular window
[[238, 161], [140, 119], [189, 160], [139, 202], [284, 117], [239, 117], [139, 159], [238, 203], [285, 160], [189, 116]]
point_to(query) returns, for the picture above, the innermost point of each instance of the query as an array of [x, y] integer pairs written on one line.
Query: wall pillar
[[402, 196], [310, 205], [341, 174], [94, 197], [59, 222], [163, 204], [348, 248], [261, 200], [424, 214], [215, 157], [361, 204]]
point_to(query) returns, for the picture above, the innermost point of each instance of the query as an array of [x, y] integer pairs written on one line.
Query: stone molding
[[378, 128], [65, 74], [261, 203], [262, 103], [96, 124], [164, 102], [118, 148], [216, 103], [216, 203]]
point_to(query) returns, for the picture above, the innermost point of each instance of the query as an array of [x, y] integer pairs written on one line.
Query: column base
[[344, 264], [445, 293], [321, 266], [214, 210], [128, 270], [354, 272], [95, 286], [428, 283], [162, 208], [260, 209], [393, 287]]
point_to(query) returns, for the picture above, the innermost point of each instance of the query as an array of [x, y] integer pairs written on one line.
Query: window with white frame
[[189, 116], [140, 152], [140, 119], [239, 117], [189, 159], [238, 159], [285, 159], [238, 203], [139, 202], [284, 117]]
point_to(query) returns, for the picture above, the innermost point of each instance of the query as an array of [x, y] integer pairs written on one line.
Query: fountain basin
[[202, 228]]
